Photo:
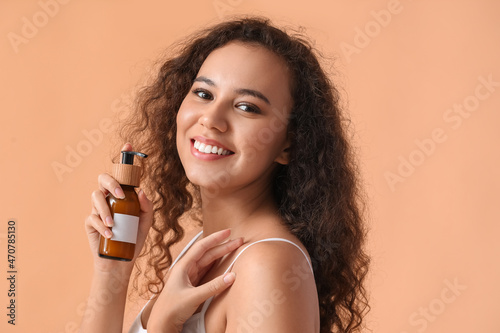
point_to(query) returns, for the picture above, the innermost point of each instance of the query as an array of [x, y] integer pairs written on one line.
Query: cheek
[[265, 143], [184, 119], [182, 124], [179, 124]]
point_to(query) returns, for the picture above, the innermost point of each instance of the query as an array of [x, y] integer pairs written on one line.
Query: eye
[[203, 94], [250, 108]]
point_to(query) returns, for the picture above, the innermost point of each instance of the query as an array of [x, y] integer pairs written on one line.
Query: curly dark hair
[[317, 192]]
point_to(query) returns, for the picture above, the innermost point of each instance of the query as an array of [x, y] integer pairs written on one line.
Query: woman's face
[[232, 125]]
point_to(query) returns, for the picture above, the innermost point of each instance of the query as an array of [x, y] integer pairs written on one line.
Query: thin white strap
[[270, 240], [208, 301], [186, 248], [137, 325]]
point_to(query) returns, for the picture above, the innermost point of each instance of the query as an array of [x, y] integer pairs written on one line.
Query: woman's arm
[[275, 292], [106, 303]]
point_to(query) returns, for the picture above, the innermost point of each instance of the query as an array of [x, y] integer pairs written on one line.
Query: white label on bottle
[[125, 228]]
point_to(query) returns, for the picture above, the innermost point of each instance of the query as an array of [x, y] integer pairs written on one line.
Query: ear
[[284, 156]]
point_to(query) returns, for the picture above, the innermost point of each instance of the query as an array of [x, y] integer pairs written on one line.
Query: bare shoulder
[[274, 290], [274, 263], [274, 258]]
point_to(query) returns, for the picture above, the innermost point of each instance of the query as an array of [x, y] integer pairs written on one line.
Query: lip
[[208, 157]]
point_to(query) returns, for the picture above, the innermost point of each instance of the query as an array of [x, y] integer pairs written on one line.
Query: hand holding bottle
[[100, 222], [111, 277]]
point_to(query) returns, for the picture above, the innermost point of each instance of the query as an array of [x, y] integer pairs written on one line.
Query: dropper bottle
[[125, 212]]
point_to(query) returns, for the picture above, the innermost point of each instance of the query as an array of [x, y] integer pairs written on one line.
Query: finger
[[101, 208], [201, 247], [145, 203], [215, 286], [127, 147], [219, 251], [94, 223], [204, 264], [146, 215], [108, 184]]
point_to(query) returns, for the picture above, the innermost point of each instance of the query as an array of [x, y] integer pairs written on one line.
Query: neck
[[237, 210]]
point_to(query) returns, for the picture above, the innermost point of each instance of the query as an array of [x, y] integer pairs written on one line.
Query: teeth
[[209, 149]]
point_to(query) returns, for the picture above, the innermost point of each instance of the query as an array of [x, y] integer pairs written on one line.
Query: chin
[[209, 184]]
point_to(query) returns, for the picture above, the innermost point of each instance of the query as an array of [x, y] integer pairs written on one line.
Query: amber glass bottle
[[125, 212]]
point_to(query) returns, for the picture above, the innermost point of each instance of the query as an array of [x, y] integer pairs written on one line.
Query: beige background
[[433, 204]]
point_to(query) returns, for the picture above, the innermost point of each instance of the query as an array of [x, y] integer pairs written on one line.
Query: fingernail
[[229, 278], [119, 193], [107, 234], [109, 221]]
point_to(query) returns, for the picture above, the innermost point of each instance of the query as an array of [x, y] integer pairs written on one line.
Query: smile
[[209, 149]]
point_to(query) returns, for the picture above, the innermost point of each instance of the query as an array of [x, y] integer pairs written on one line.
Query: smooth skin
[[111, 277], [240, 92]]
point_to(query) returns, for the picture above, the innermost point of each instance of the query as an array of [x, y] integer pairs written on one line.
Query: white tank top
[[196, 324]]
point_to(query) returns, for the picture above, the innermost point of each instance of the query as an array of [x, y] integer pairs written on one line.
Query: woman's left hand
[[181, 295]]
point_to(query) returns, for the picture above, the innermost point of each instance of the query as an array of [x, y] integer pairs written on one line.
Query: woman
[[245, 136]]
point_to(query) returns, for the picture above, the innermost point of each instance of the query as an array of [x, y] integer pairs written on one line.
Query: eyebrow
[[241, 91]]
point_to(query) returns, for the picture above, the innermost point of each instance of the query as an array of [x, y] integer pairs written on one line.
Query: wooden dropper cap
[[126, 173]]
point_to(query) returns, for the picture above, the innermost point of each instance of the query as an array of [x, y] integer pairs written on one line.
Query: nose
[[214, 117]]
